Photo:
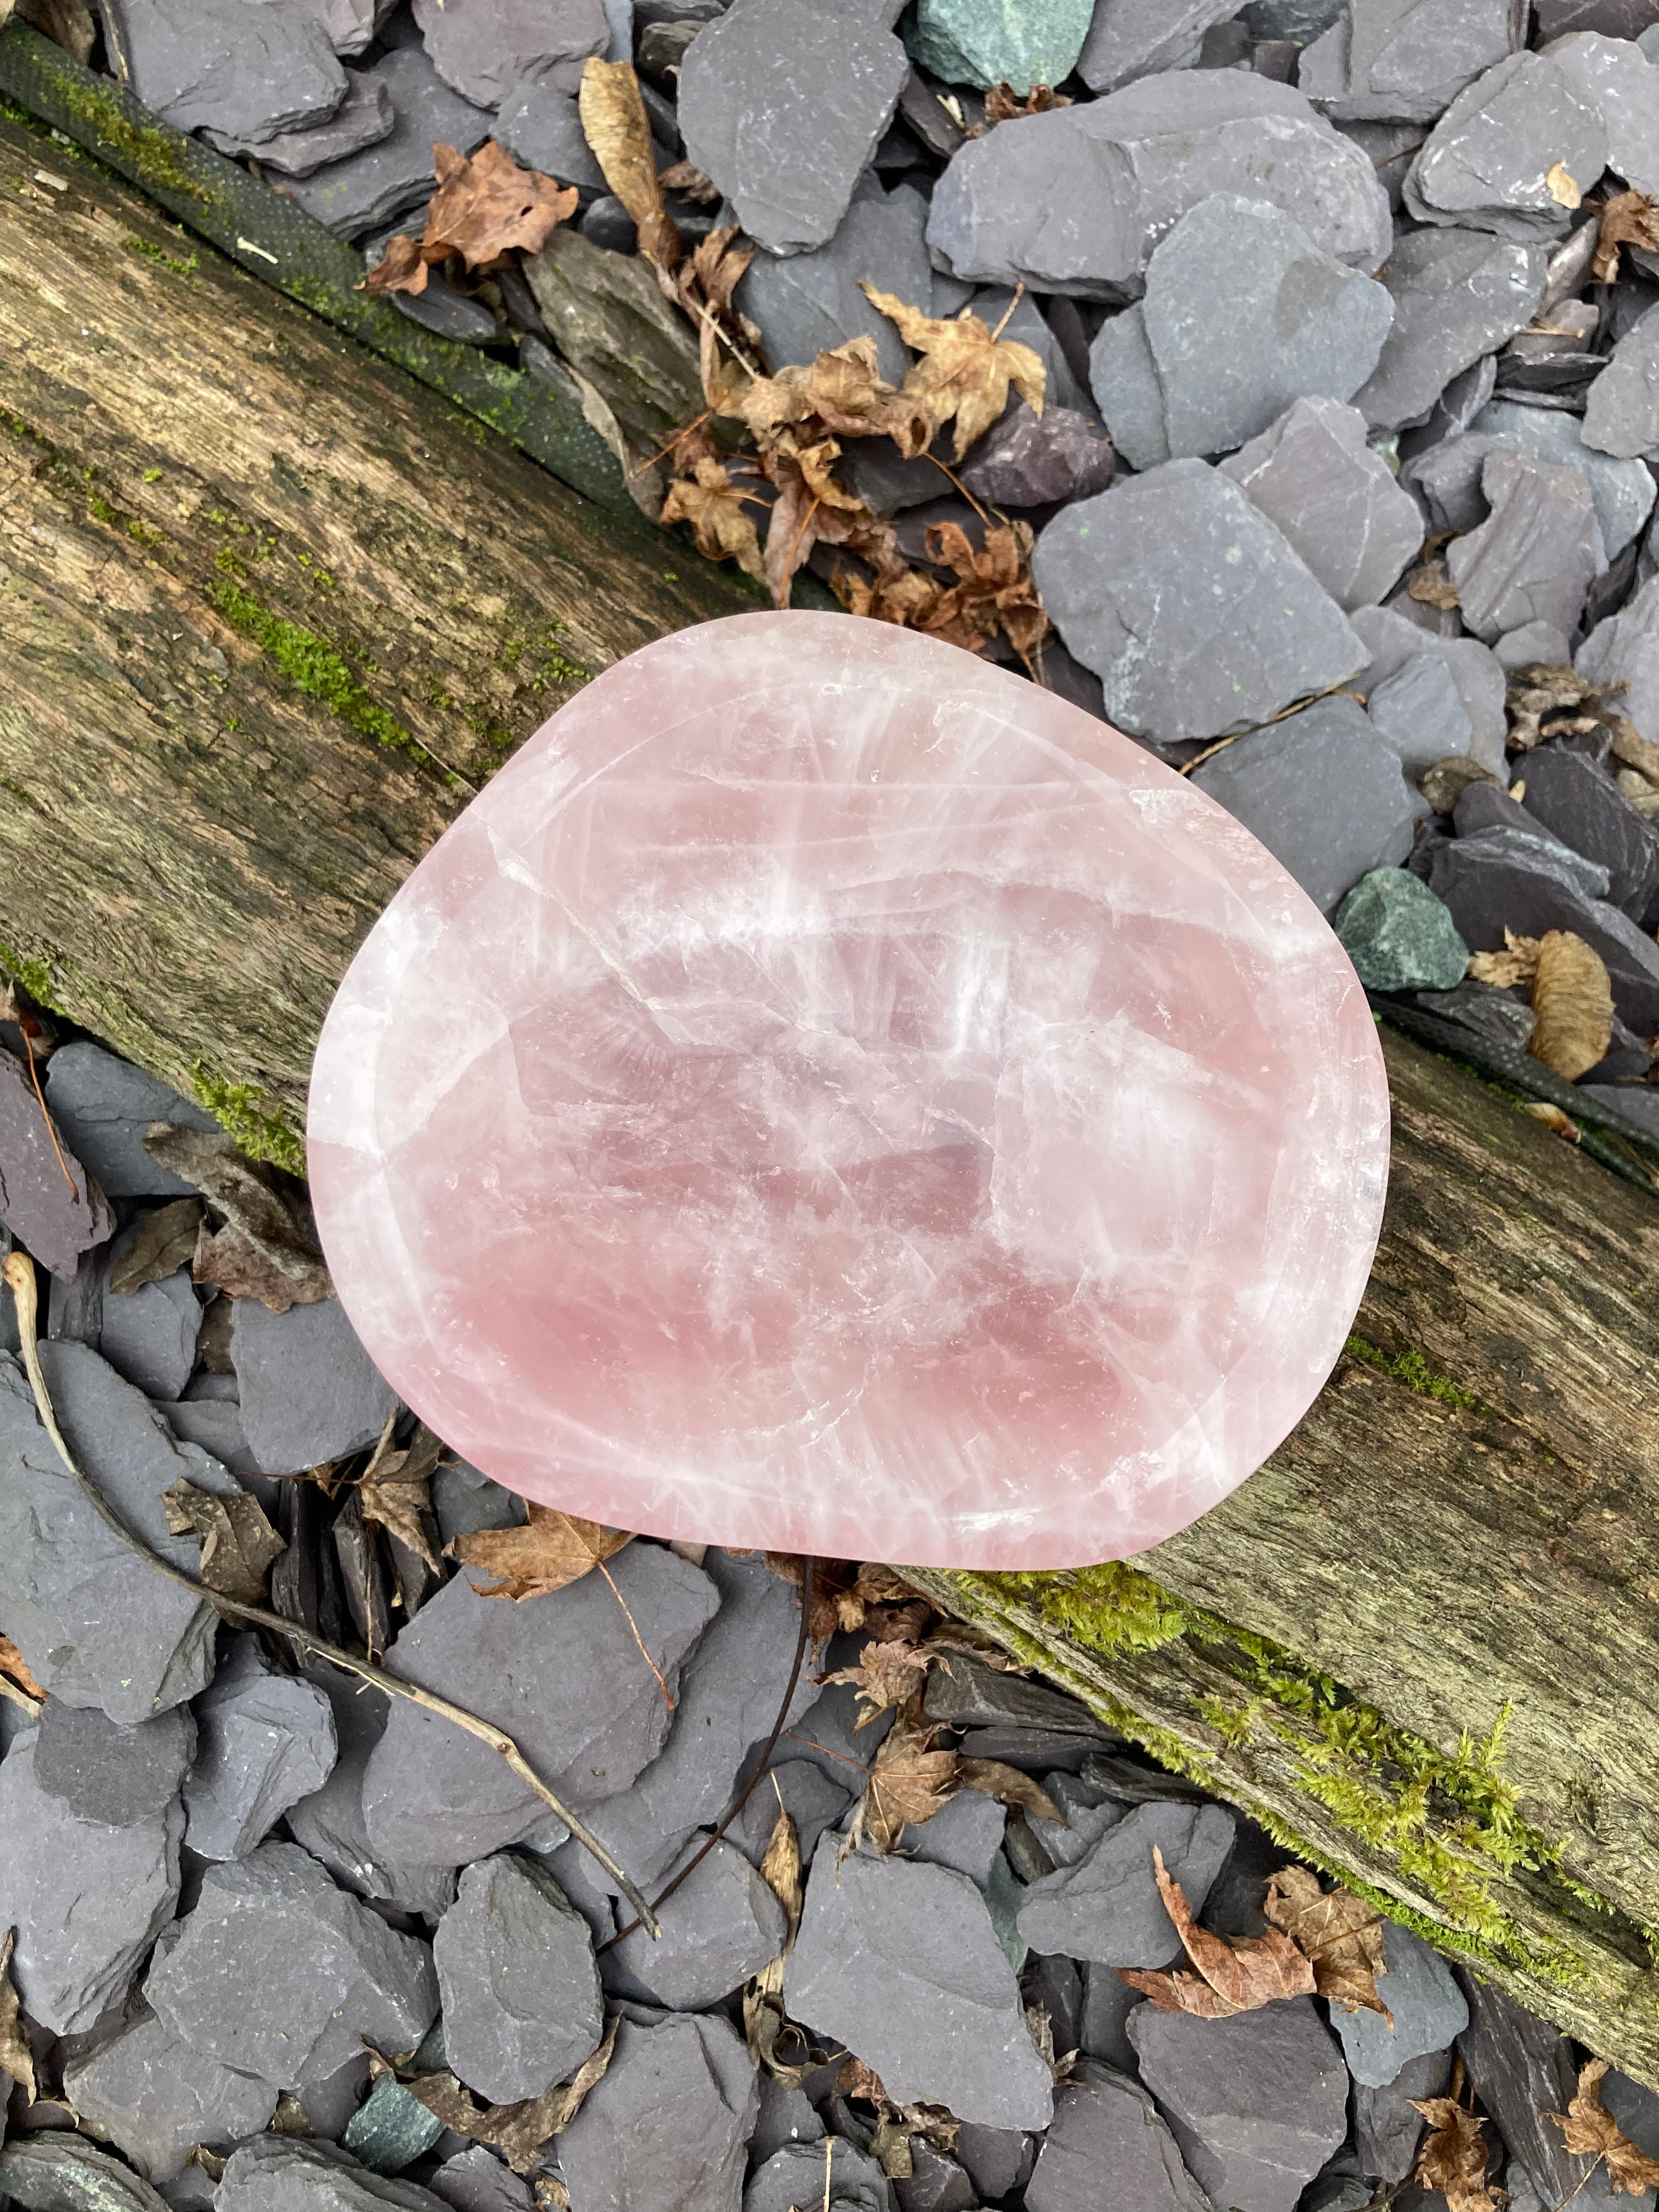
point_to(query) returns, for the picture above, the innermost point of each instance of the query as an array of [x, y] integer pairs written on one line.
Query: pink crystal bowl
[[829, 1093]]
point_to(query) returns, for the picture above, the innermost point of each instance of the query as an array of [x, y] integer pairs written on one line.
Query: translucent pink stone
[[829, 1094]]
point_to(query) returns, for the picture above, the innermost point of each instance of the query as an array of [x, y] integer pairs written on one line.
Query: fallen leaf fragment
[[1431, 586], [615, 125], [394, 1491], [15, 1668], [1517, 963], [993, 1778], [886, 1675], [1339, 1934], [1547, 701], [1591, 2130], [689, 181], [1003, 104], [552, 1550], [165, 1241], [518, 2131], [832, 1584], [485, 206], [1235, 1973], [268, 1248], [965, 371], [908, 1783], [855, 2079], [720, 514], [763, 2019], [1628, 219], [1552, 1118], [16, 2057], [1562, 185], [1572, 999], [1452, 2158], [239, 1545]]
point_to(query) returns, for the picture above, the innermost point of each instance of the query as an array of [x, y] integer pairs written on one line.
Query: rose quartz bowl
[[829, 1093]]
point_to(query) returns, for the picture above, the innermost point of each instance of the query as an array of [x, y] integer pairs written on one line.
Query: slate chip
[[1537, 554], [1394, 644], [329, 1973], [1615, 78], [285, 2173], [1336, 503], [1387, 2125], [722, 1925], [1625, 649], [966, 1833], [668, 2121], [1106, 1907], [1521, 2067], [1028, 460], [54, 2171], [1257, 2101], [998, 2159], [1105, 2123], [363, 119], [1407, 60], [974, 1694], [811, 1800], [100, 1771], [103, 1105], [1190, 606], [787, 2116], [797, 2174], [1108, 2001], [148, 1335], [330, 1822], [520, 1992], [1450, 474], [157, 2098], [1420, 713], [543, 128], [1581, 805], [1622, 415], [247, 71], [370, 189], [1132, 39], [54, 1217], [476, 2180], [1457, 295], [265, 1742], [783, 105], [1428, 2008], [1490, 887], [1087, 1813], [562, 1674], [1487, 160], [1399, 936], [482, 49], [307, 1389]]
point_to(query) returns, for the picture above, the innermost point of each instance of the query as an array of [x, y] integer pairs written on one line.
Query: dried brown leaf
[[1628, 219], [402, 267], [1433, 587], [720, 514], [879, 1585], [1591, 2130], [886, 1675], [268, 1248], [992, 1778], [855, 2079], [395, 1491], [965, 371], [165, 1241], [15, 1668], [1572, 999], [521, 2131], [842, 391], [239, 1545], [689, 181], [909, 1781], [485, 206], [764, 2017], [1235, 1973], [16, 2057], [1338, 1932], [1635, 750], [1562, 185], [1517, 963], [831, 1580], [1445, 784], [1452, 2158], [553, 1550], [615, 125], [1003, 103]]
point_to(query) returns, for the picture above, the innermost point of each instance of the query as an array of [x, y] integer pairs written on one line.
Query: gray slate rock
[[103, 1105], [363, 119], [615, 328], [1487, 160], [1399, 936], [1457, 295], [562, 1674], [937, 2184], [86, 1899], [476, 2180], [1105, 2123], [783, 105], [1322, 792], [60, 2172], [1020, 318], [1190, 606], [668, 2121], [1616, 19], [901, 1961], [787, 2116], [1407, 60], [1334, 502], [811, 1800], [520, 1992], [1625, 649], [1635, 2110], [265, 1742], [1107, 1908], [1615, 78], [247, 71], [974, 1694], [1108, 2001], [1419, 712], [368, 189], [796, 2176], [148, 1335], [53, 1221], [1537, 554], [805, 304], [329, 1973], [1393, 643], [1521, 2067], [308, 1391], [1428, 2007], [1028, 460], [330, 1823], [215, 1428], [1132, 39], [543, 128], [1485, 1011], [482, 49], [100, 1772], [1490, 888], [1074, 201], [722, 1925], [1622, 415], [96, 1623], [1387, 2125], [1087, 1813], [1257, 2102], [348, 25], [157, 2098], [1243, 315], [1582, 805], [998, 2159], [285, 2173], [1623, 491], [463, 1499], [965, 1833]]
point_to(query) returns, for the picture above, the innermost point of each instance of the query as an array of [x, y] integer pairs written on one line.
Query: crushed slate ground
[[272, 1939]]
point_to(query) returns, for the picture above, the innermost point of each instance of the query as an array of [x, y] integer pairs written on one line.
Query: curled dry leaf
[[268, 1248], [1452, 2158], [1235, 1973], [908, 1782], [720, 514], [1517, 963], [886, 1675], [763, 2019], [521, 2131], [16, 2057], [485, 205], [1339, 1934], [689, 181], [15, 1668], [965, 371], [840, 391], [1547, 701], [1591, 2130], [615, 125], [1572, 999], [394, 1490], [855, 2079], [992, 1778], [879, 1585], [239, 1545], [552, 1550], [1628, 219], [994, 592], [1003, 104], [165, 1241]]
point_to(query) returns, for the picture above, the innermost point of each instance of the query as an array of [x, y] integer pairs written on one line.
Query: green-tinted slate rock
[[59, 2173], [389, 2129], [1018, 43], [1005, 1893], [1399, 936]]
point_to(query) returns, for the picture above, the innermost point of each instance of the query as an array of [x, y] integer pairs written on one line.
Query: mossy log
[[270, 611]]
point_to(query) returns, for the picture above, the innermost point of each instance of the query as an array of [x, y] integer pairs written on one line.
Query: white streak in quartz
[[825, 1085]]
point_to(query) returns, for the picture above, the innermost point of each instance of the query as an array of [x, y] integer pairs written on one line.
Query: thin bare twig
[[667, 1694], [52, 1126], [19, 1275]]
